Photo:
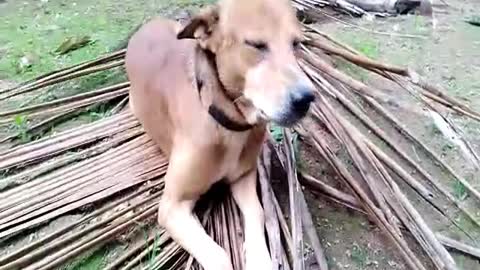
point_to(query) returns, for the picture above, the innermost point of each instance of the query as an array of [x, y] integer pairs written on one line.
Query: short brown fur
[[217, 59]]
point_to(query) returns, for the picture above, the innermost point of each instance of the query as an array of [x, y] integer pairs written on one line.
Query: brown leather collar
[[215, 110], [226, 121]]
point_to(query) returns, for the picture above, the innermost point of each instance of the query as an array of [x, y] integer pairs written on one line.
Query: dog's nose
[[301, 97]]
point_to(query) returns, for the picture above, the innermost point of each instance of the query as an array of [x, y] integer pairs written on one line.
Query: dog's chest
[[241, 153]]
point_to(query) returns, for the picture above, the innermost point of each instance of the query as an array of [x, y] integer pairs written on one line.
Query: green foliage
[[20, 126], [352, 70], [101, 79], [277, 132], [434, 130], [94, 261], [359, 256], [95, 113], [28, 43], [368, 48], [365, 45], [459, 190], [448, 147], [152, 255]]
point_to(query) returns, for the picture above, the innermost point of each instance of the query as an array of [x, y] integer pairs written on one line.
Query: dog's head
[[255, 44]]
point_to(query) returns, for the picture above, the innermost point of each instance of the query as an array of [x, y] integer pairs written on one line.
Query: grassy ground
[[31, 31]]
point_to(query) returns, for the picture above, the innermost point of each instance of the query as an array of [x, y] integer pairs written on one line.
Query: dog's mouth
[[285, 119], [289, 119], [288, 114]]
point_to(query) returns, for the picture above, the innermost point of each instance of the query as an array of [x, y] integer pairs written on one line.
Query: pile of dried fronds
[[112, 167]]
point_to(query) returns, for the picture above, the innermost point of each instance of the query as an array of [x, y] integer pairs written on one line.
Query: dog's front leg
[[186, 230], [255, 246], [186, 179]]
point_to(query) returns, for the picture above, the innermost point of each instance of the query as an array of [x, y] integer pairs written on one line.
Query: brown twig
[[107, 90], [42, 125], [317, 15], [33, 251], [311, 232], [271, 219], [437, 252], [431, 91], [375, 212], [43, 168], [307, 220], [103, 235], [334, 193], [356, 58], [47, 201], [69, 76], [66, 140], [67, 70], [295, 204], [359, 114], [436, 159], [131, 252], [454, 244], [343, 78]]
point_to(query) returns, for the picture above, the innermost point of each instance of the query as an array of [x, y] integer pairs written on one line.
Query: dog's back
[[152, 49], [160, 69]]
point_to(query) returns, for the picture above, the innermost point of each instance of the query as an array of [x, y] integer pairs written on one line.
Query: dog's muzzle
[[300, 99], [298, 103]]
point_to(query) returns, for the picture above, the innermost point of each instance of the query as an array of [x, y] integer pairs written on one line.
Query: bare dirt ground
[[449, 56]]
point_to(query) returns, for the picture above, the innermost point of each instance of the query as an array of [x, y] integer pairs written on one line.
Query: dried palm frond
[[112, 166]]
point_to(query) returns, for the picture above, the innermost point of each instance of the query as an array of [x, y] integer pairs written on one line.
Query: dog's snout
[[301, 97]]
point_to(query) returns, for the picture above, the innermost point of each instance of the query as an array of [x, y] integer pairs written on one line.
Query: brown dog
[[204, 93]]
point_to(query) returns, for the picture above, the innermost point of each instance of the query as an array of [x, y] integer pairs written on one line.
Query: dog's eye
[[259, 45]]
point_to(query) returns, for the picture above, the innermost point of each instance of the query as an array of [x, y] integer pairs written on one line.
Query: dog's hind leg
[[255, 246], [186, 179]]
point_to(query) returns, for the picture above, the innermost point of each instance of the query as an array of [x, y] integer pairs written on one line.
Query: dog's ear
[[201, 26]]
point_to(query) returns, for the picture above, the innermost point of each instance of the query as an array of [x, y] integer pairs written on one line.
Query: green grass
[[366, 46], [103, 78], [38, 29], [277, 132], [152, 255], [433, 129], [20, 126], [34, 30], [359, 256], [353, 224], [459, 190], [352, 70], [466, 224], [94, 261]]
